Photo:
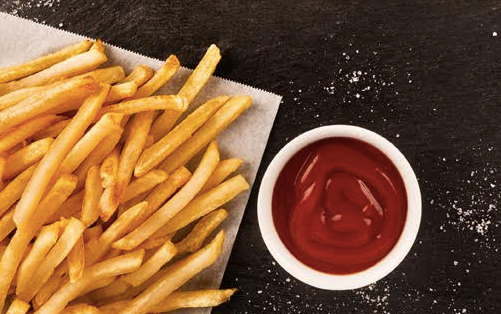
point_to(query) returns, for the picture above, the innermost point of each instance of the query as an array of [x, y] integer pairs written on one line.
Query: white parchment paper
[[22, 40]]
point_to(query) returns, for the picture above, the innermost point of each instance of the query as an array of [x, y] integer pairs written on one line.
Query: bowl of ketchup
[[339, 207]]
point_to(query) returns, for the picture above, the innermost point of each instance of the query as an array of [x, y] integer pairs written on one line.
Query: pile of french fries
[[99, 212]]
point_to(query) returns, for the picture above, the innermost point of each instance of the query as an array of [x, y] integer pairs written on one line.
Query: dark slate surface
[[433, 69]]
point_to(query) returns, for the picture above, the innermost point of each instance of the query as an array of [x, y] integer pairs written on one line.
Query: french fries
[[13, 255], [205, 203], [178, 274], [190, 89], [73, 66], [117, 229], [162, 192], [25, 157], [97, 156], [42, 102], [52, 131], [24, 131], [46, 239], [55, 156], [175, 204], [143, 184], [60, 174], [18, 71], [56, 255], [222, 171], [178, 300], [154, 155], [105, 125], [113, 267], [163, 255], [217, 123]]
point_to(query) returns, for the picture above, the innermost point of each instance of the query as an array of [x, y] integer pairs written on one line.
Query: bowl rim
[[317, 278]]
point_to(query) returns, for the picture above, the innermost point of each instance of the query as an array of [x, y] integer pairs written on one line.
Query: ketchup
[[339, 205]]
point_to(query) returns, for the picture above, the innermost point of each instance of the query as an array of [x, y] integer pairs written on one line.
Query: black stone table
[[425, 75]]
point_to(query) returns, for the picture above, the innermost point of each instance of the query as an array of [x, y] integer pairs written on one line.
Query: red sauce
[[339, 205]]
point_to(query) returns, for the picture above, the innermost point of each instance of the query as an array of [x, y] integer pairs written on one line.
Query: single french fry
[[178, 274], [109, 75], [22, 237], [117, 287], [140, 75], [92, 194], [92, 233], [165, 102], [18, 307], [163, 255], [154, 155], [41, 102], [195, 239], [82, 149], [52, 131], [217, 123], [76, 261], [24, 131], [190, 89], [98, 46], [207, 202], [97, 156], [73, 66], [109, 168], [81, 309], [154, 242], [222, 171], [56, 154], [21, 70], [175, 204], [113, 267], [70, 208], [94, 252], [3, 162], [45, 241], [25, 157], [71, 235], [143, 184], [121, 91], [7, 224], [12, 192], [97, 285]]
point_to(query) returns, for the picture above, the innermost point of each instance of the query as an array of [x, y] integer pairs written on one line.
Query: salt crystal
[[494, 34]]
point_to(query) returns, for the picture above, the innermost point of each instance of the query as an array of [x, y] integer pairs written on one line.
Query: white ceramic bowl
[[309, 275]]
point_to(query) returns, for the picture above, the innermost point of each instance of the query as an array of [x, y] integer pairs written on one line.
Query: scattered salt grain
[[494, 34]]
